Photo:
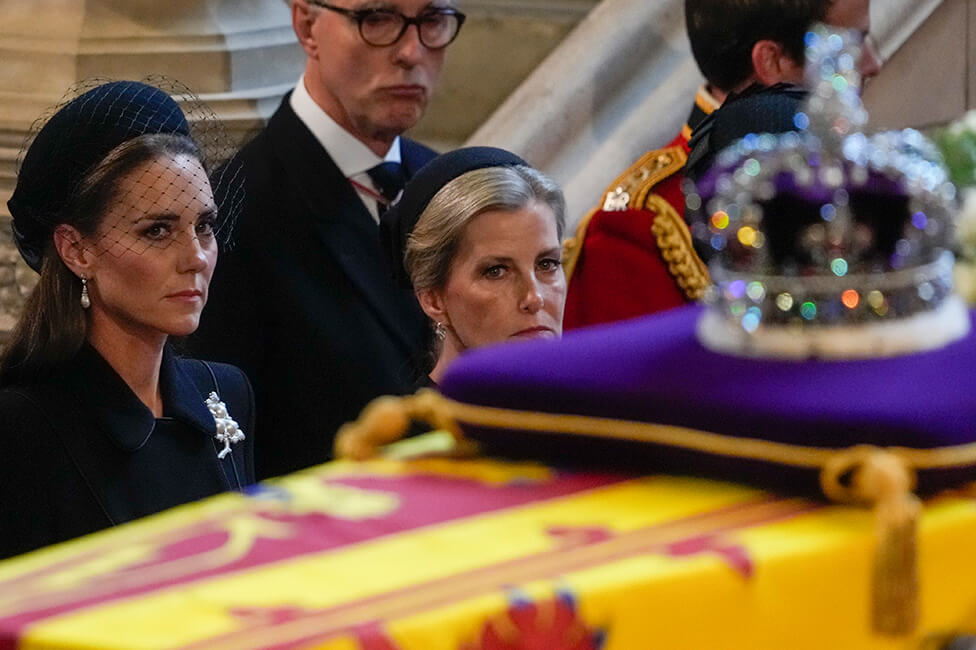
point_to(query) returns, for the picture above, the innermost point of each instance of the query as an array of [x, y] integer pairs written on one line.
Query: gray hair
[[435, 239]]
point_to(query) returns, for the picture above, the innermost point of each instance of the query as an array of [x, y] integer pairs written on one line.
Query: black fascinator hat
[[65, 145], [399, 221]]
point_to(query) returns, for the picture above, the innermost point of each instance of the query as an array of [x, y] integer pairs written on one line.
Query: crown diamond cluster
[[825, 226]]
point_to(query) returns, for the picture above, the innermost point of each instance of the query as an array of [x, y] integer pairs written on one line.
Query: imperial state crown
[[828, 242]]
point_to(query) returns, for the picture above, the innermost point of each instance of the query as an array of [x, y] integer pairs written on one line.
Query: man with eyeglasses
[[304, 302]]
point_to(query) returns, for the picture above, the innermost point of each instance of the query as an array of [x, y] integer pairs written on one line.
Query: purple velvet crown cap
[[654, 370]]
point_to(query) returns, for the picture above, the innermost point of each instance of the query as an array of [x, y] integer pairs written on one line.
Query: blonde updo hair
[[434, 241]]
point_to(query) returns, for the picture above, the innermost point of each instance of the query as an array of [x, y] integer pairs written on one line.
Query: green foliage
[[958, 145]]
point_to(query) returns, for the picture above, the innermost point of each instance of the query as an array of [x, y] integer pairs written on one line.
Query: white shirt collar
[[349, 154]]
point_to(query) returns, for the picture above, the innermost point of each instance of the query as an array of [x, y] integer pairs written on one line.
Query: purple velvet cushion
[[654, 370]]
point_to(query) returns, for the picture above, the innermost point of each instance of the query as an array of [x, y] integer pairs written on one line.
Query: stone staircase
[[501, 43]]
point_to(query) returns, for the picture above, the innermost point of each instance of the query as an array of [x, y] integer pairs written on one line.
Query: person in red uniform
[[632, 254]]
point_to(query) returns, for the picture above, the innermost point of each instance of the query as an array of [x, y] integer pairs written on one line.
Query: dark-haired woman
[[100, 421]]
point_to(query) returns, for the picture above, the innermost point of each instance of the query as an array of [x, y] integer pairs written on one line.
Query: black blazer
[[304, 303], [82, 453]]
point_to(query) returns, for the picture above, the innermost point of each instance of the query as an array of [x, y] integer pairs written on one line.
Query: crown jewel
[[826, 241]]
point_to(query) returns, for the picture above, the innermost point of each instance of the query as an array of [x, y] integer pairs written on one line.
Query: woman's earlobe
[[70, 247], [432, 304]]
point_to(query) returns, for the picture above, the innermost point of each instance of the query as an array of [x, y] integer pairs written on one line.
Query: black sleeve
[[34, 463]]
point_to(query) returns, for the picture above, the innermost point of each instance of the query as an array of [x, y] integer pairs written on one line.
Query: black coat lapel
[[343, 225], [115, 410], [185, 397], [188, 383], [104, 426]]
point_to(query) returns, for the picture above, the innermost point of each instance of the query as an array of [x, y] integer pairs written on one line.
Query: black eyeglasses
[[437, 27]]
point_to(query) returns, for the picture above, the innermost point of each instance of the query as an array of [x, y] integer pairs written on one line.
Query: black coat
[[757, 109], [82, 453], [304, 303]]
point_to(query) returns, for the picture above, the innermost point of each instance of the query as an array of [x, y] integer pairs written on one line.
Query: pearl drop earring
[[85, 300]]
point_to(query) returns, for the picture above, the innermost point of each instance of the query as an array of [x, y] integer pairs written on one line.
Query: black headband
[[73, 141], [84, 130], [399, 221]]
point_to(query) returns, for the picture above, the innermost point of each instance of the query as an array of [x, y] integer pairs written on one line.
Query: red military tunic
[[633, 255]]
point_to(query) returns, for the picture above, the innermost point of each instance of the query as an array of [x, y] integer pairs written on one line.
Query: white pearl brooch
[[227, 428]]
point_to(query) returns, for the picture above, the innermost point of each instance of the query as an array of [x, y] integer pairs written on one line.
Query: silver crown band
[[923, 331]]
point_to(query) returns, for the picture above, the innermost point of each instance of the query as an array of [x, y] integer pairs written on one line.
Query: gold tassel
[[895, 608], [884, 480], [386, 419]]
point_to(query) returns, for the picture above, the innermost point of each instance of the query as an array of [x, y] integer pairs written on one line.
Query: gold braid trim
[[706, 101], [384, 415], [674, 241], [386, 419], [634, 185], [657, 165]]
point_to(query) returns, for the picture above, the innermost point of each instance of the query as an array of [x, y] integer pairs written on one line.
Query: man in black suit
[[304, 302]]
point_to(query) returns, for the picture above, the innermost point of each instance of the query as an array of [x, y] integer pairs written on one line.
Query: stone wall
[[501, 43], [16, 281]]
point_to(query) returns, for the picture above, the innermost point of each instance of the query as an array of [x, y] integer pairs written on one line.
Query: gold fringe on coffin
[[883, 478]]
